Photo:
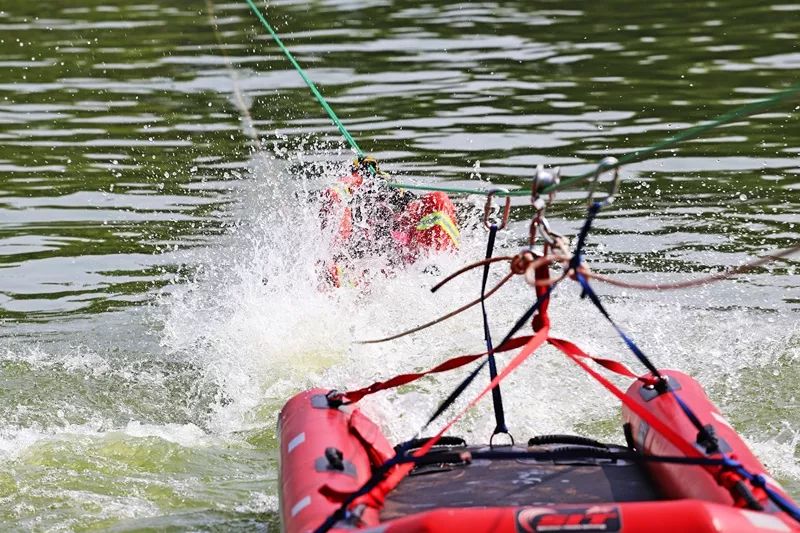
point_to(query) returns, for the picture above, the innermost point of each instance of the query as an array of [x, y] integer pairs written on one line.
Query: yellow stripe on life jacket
[[342, 191], [443, 220]]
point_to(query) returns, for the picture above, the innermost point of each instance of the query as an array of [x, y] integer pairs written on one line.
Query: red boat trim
[[728, 476]]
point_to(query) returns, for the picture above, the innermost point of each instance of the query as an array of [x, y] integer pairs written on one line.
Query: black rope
[[577, 257], [497, 397], [705, 434], [575, 262], [577, 453], [573, 453]]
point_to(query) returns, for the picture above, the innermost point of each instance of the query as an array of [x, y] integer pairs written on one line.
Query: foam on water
[[22, 439]]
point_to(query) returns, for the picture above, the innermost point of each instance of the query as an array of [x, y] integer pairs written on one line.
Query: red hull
[[695, 502]]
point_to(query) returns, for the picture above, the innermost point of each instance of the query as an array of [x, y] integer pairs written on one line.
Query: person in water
[[368, 218]]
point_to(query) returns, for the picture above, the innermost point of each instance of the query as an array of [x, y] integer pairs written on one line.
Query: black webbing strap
[[497, 397]]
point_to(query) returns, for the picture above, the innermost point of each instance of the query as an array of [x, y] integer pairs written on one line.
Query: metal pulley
[[543, 179]]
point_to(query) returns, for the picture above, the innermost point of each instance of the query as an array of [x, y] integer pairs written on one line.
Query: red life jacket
[[425, 224]]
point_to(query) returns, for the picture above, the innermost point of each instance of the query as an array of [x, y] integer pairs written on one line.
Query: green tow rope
[[637, 155], [321, 99]]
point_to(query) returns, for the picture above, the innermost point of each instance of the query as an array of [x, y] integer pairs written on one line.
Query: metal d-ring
[[488, 209], [491, 439], [607, 163]]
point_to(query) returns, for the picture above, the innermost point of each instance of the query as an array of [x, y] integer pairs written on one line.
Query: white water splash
[[257, 321]]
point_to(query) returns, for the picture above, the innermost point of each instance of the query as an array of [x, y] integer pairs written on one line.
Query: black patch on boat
[[519, 483], [595, 519]]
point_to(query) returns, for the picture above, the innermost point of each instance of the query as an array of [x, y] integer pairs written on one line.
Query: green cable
[[454, 190], [321, 99], [637, 155]]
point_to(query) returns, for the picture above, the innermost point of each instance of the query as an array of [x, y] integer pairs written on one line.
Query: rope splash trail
[[248, 125], [321, 99]]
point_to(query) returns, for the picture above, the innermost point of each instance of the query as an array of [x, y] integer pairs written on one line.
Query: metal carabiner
[[606, 163], [487, 209]]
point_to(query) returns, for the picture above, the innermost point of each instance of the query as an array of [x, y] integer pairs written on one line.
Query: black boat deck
[[517, 482]]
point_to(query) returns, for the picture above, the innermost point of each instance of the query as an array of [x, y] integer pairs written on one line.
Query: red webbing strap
[[542, 320], [610, 364], [377, 496], [726, 478], [573, 352], [450, 364]]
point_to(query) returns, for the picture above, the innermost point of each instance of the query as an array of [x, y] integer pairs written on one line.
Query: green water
[[154, 308]]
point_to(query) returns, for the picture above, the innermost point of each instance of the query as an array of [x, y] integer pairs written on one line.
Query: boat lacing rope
[[746, 110], [317, 94]]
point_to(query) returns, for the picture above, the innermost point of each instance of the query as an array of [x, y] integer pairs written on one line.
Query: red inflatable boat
[[328, 451]]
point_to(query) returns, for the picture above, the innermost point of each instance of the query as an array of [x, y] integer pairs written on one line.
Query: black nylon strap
[[497, 397]]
